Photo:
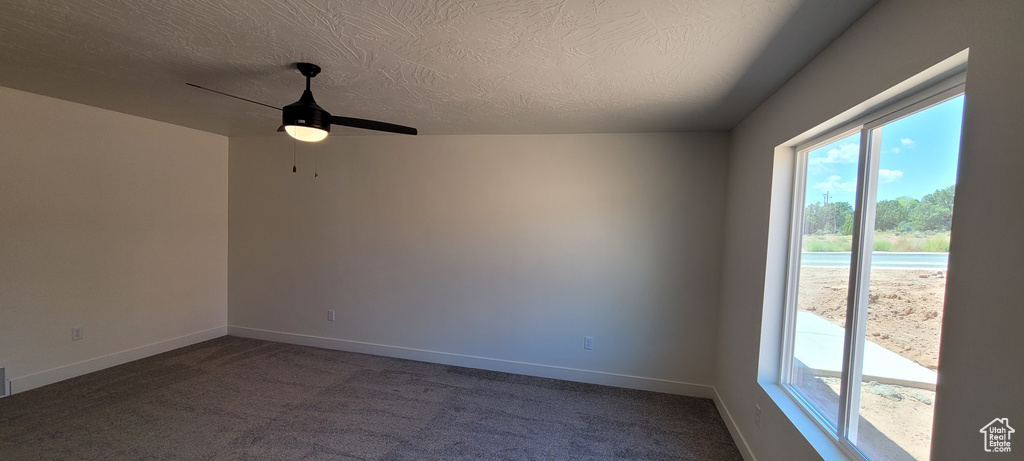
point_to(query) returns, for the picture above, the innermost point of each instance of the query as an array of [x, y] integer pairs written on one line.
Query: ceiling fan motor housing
[[305, 112]]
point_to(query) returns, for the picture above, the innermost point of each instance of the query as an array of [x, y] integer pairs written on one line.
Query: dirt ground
[[904, 316], [904, 307], [895, 422]]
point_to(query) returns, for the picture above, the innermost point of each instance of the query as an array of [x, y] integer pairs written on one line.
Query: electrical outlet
[[588, 342], [757, 416], [76, 333], [330, 315]]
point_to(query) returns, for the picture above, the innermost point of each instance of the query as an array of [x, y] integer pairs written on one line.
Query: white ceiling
[[443, 66]]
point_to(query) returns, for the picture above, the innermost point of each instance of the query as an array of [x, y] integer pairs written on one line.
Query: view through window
[[893, 307]]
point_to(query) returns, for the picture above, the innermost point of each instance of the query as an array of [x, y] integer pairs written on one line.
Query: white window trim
[[950, 85]]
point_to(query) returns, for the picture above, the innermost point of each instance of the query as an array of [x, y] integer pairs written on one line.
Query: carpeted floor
[[236, 398]]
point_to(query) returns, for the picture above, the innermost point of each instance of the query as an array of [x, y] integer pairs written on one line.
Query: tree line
[[933, 213]]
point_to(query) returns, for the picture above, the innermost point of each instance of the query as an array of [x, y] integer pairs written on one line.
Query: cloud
[[833, 184], [908, 143], [846, 153], [889, 176], [894, 150]]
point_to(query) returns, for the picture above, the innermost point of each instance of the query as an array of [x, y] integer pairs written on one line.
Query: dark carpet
[[236, 398]]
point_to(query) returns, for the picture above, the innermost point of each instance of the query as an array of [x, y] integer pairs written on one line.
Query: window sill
[[822, 442]]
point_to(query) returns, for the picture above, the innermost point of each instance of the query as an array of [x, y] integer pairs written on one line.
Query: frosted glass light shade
[[305, 133]]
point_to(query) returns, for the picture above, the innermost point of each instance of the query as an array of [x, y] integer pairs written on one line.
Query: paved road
[[879, 259]]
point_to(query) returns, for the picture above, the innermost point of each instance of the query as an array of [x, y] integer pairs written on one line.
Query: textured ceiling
[[444, 66]]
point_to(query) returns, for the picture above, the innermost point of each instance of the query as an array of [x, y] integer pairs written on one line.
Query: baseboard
[[483, 363], [42, 378], [734, 430]]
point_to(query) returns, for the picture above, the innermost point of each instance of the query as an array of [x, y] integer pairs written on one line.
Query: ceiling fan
[[304, 120]]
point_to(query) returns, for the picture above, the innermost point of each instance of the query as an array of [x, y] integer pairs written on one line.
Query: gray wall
[[500, 252], [979, 376], [110, 222]]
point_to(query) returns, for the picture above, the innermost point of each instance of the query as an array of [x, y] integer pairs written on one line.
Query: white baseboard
[[42, 378], [483, 363], [737, 436]]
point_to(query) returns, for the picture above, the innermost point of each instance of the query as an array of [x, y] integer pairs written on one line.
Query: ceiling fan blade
[[372, 125], [280, 129], [232, 96]]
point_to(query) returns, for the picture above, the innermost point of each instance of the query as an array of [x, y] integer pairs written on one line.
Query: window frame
[[898, 107]]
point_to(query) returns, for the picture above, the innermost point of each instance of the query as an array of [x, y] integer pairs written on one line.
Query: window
[[869, 241]]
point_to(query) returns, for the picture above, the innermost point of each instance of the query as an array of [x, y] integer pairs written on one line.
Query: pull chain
[[316, 164], [293, 156]]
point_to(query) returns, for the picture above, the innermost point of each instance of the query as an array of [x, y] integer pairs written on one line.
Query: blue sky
[[919, 155]]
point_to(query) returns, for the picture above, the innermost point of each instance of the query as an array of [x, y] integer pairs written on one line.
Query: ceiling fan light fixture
[[305, 133], [305, 120]]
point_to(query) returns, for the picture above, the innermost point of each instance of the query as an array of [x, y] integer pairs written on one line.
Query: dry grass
[[884, 241]]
